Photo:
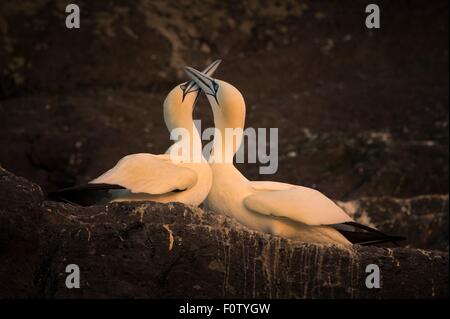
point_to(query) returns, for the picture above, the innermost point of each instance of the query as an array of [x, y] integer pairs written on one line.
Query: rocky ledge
[[152, 250]]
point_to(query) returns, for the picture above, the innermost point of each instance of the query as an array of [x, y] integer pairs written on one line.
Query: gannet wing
[[301, 204], [147, 173], [310, 207]]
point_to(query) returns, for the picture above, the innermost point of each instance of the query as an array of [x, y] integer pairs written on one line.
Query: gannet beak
[[212, 67], [192, 86], [204, 81]]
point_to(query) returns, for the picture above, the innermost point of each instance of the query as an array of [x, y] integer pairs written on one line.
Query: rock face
[[362, 115], [154, 250], [423, 219]]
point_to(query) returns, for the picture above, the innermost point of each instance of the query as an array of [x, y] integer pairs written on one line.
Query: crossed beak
[[191, 86], [204, 81]]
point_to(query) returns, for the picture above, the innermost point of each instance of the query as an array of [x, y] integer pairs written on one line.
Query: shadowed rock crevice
[[153, 250]]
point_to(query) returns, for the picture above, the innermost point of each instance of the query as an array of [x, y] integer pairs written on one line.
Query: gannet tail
[[364, 235], [87, 194]]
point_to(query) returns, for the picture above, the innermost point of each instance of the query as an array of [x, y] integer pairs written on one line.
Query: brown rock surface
[[152, 250]]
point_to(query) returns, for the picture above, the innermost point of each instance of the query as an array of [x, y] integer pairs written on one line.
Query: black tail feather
[[364, 235], [86, 194]]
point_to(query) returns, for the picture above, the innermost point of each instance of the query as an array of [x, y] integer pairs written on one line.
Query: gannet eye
[[215, 87]]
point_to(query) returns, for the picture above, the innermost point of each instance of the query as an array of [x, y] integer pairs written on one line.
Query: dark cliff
[[152, 250]]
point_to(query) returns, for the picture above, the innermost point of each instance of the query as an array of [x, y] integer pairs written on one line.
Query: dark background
[[360, 112], [362, 116]]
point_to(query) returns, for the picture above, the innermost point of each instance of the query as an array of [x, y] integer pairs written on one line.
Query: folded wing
[[310, 207], [147, 173], [301, 204]]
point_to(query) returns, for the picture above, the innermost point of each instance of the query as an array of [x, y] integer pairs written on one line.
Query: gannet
[[149, 177], [280, 209]]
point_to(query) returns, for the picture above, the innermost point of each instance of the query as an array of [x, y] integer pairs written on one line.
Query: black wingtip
[[84, 195], [387, 239], [365, 235]]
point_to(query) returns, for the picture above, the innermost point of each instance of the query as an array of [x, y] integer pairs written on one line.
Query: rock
[[153, 250], [423, 219], [20, 220]]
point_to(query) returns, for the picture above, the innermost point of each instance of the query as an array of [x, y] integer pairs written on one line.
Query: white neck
[[229, 133], [187, 145]]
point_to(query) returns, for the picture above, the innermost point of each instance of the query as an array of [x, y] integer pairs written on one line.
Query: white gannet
[[280, 209], [160, 178]]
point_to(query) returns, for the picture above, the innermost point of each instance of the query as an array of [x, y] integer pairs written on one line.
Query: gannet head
[[226, 101], [180, 102]]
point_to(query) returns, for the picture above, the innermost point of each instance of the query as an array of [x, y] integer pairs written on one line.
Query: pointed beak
[[205, 82], [191, 86], [212, 67]]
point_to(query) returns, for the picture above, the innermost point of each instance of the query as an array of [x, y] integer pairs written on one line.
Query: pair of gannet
[[281, 209]]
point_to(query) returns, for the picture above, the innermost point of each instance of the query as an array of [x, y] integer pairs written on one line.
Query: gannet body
[[149, 177], [281, 209]]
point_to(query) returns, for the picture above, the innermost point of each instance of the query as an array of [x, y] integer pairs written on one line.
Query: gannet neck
[[178, 109], [229, 117], [187, 142]]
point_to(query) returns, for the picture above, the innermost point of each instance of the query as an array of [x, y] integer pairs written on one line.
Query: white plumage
[[148, 173], [282, 209], [160, 178]]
